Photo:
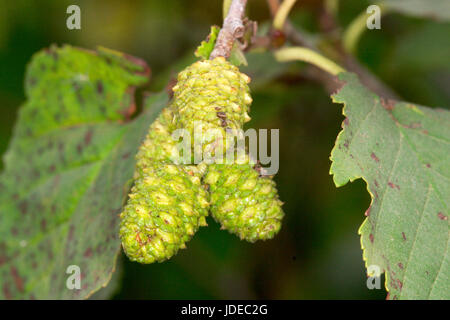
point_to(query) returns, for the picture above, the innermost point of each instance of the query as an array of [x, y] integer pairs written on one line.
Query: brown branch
[[233, 28], [346, 60], [367, 77]]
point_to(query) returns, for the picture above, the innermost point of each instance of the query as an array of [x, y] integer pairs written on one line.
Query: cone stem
[[232, 29]]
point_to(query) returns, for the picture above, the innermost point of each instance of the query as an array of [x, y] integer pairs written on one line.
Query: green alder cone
[[214, 95], [167, 203], [244, 202], [210, 97], [165, 208]]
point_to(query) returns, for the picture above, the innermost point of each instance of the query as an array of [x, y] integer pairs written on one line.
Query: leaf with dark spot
[[442, 216], [60, 207], [374, 157], [407, 170]]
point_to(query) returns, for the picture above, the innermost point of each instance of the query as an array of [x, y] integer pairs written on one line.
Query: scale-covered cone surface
[[168, 202], [166, 206], [158, 146], [210, 97], [244, 202]]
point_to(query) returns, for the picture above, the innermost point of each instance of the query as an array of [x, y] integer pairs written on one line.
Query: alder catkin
[[215, 95], [169, 200], [167, 203]]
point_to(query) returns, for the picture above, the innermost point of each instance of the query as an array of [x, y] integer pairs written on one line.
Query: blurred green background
[[317, 254]]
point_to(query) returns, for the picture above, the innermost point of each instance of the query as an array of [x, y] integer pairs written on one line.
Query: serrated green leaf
[[207, 46], [435, 9], [66, 171], [402, 152]]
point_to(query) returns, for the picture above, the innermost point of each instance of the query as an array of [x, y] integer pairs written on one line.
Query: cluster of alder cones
[[170, 201]]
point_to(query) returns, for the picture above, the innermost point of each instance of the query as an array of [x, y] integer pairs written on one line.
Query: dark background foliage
[[317, 254]]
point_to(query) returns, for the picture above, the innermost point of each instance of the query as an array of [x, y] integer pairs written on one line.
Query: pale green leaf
[[67, 171], [402, 152], [207, 46]]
